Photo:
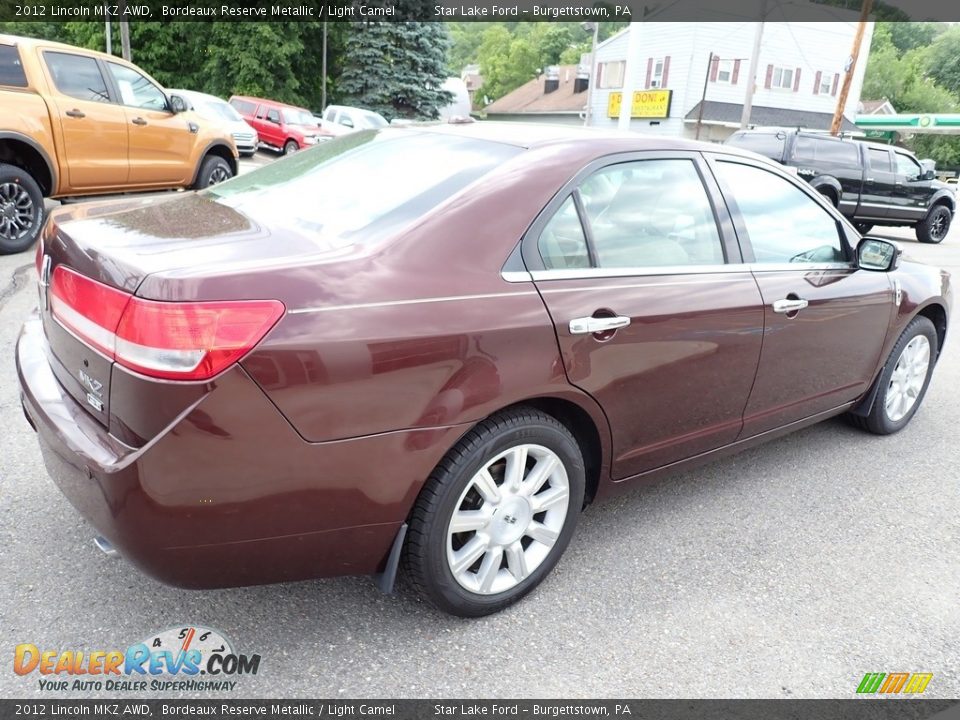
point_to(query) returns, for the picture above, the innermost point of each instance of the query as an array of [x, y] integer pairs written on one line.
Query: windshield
[[372, 120], [291, 116], [216, 110], [362, 185]]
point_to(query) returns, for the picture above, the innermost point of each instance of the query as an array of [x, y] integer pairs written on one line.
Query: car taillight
[[38, 260], [172, 340]]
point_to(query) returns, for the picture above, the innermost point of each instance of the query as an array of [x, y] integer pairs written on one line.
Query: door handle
[[75, 113], [788, 306], [139, 121], [590, 325]]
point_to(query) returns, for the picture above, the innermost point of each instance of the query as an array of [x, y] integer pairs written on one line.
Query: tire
[[935, 226], [214, 170], [510, 562], [21, 210], [887, 416], [290, 147], [828, 193], [863, 227]]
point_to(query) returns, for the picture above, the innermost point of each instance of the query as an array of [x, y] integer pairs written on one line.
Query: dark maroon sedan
[[436, 345]]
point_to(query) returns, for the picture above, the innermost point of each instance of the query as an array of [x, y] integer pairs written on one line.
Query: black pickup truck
[[870, 183]]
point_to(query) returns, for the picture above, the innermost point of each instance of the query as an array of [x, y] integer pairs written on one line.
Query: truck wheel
[[863, 227], [290, 147], [935, 226], [829, 194], [214, 170], [21, 210]]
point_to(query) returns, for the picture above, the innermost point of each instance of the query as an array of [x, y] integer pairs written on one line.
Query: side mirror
[[878, 255], [178, 104], [928, 175]]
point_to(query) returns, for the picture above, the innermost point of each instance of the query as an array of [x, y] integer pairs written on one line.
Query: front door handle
[[139, 121], [590, 325], [75, 113], [789, 306]]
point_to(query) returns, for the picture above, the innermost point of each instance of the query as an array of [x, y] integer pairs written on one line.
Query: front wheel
[[214, 170], [290, 147], [496, 515], [21, 210], [935, 226], [903, 380]]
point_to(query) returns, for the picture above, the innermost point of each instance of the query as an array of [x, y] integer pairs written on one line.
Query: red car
[[436, 345], [283, 127]]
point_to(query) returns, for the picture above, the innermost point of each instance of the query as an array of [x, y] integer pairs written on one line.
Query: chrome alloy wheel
[[908, 378], [507, 519], [17, 211]]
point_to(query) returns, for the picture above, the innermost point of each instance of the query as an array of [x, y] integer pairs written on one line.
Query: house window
[[782, 78], [611, 74], [725, 71], [656, 78], [826, 82]]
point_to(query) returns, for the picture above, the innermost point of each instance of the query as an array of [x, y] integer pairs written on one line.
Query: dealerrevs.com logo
[[187, 658]]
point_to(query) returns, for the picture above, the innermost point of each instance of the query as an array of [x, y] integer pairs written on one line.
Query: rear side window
[[362, 186], [823, 150], [783, 223], [243, 106], [11, 69], [77, 76], [880, 160], [767, 144], [562, 243]]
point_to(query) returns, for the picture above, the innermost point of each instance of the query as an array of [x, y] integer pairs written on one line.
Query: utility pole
[[754, 61], [851, 66], [629, 77], [323, 82], [595, 26], [703, 97], [109, 30], [124, 29]]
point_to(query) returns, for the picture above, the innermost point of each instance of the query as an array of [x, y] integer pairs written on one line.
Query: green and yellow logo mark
[[892, 683]]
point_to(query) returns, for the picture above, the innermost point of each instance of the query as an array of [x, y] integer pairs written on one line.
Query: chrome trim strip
[[417, 301], [699, 270], [516, 276]]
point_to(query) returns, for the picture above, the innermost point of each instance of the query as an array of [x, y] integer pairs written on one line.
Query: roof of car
[[267, 101], [530, 135]]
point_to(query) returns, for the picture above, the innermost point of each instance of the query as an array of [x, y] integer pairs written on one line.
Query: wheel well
[[581, 425], [829, 193], [938, 316], [945, 201], [28, 159]]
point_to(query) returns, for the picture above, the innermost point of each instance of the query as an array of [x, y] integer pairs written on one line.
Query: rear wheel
[[290, 147], [903, 380], [935, 226], [214, 170], [829, 194], [21, 210], [496, 514]]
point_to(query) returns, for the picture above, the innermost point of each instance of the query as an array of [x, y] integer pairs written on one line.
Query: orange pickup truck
[[74, 122]]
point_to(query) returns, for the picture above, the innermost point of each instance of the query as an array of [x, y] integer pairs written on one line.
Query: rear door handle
[[139, 121], [75, 114], [590, 325], [788, 306]]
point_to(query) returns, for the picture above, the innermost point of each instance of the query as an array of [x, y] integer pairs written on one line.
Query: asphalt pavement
[[789, 570]]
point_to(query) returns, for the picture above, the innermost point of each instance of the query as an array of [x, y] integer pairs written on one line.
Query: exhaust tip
[[105, 546]]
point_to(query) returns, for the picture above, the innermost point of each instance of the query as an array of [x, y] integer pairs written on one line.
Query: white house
[[799, 74]]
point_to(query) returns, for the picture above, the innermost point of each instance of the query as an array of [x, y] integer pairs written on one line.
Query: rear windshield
[[11, 69], [767, 144], [363, 185]]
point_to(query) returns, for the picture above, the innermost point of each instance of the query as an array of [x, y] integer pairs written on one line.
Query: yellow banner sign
[[646, 104]]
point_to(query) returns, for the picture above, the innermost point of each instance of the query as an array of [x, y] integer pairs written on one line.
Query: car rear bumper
[[229, 494]]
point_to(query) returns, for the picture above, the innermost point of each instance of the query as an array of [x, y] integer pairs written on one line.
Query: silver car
[[220, 111]]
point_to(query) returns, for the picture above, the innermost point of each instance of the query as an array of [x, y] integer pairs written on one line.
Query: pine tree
[[396, 69]]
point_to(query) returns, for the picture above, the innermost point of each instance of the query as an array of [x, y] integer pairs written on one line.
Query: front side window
[[273, 116], [783, 223], [908, 167], [77, 76], [136, 90]]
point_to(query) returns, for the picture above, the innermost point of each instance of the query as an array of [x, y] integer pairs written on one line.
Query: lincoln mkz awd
[[430, 347]]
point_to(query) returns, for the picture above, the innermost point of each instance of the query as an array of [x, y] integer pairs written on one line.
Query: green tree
[[943, 60], [396, 68]]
